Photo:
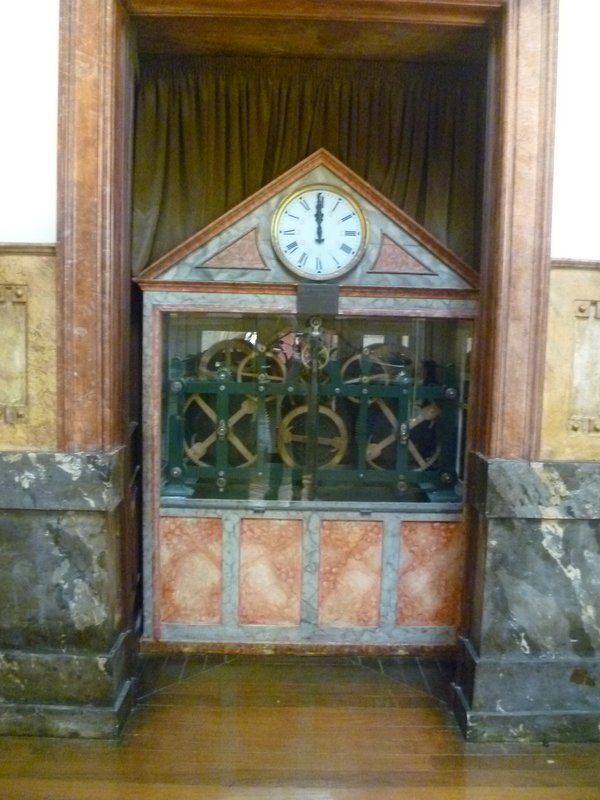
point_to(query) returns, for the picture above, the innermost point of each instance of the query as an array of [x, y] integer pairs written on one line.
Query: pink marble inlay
[[393, 258], [243, 253], [270, 571], [190, 570], [431, 573], [350, 573]]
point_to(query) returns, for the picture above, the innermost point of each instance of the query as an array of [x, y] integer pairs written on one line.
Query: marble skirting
[[57, 693]]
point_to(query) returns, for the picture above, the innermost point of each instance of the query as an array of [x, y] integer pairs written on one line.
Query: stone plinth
[[65, 660], [530, 664]]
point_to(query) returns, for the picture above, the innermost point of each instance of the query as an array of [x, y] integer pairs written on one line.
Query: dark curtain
[[211, 131]]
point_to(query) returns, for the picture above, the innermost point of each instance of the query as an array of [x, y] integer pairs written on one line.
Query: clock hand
[[319, 219]]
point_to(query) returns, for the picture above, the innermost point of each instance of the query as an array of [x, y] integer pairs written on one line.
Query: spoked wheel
[[257, 366], [421, 436], [423, 443], [226, 356], [352, 372], [383, 425], [331, 437], [203, 429]]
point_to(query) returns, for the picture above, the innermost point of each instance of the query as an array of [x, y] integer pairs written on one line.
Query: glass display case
[[304, 437], [336, 410]]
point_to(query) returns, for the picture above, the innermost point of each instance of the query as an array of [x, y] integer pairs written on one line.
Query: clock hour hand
[[319, 219]]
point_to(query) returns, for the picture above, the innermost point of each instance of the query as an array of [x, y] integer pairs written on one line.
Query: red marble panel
[[431, 573], [270, 571], [243, 253], [393, 258], [190, 570], [350, 572]]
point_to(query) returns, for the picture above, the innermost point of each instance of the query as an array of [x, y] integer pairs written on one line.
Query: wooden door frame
[[96, 80]]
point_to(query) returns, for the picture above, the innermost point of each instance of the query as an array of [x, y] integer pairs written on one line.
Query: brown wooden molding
[[92, 251], [515, 273], [457, 12], [27, 249], [376, 29], [94, 134]]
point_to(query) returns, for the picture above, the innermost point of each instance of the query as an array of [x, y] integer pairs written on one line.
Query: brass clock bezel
[[307, 274]]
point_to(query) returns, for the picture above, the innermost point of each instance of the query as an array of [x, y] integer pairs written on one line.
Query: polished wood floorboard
[[210, 727]]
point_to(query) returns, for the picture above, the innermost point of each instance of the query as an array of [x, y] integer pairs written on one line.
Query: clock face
[[319, 232]]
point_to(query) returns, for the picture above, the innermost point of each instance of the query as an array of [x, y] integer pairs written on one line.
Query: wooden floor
[[293, 728]]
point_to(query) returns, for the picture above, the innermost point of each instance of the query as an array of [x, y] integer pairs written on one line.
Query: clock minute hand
[[319, 219]]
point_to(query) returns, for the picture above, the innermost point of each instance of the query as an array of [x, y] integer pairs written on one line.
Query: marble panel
[[270, 581], [542, 592], [190, 555], [58, 587], [512, 488], [350, 569], [73, 481], [431, 571]]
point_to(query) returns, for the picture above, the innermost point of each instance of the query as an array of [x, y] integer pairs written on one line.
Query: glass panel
[[340, 410]]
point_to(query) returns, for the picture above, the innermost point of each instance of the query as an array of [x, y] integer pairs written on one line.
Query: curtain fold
[[211, 131]]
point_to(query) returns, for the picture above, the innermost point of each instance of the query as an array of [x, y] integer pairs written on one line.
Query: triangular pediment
[[237, 247]]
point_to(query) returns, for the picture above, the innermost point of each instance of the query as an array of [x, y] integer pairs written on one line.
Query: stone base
[[531, 700], [90, 722], [526, 726], [67, 694]]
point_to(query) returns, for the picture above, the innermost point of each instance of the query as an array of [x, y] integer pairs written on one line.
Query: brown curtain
[[211, 131]]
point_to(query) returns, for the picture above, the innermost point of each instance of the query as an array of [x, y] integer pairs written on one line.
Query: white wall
[[28, 99], [576, 207]]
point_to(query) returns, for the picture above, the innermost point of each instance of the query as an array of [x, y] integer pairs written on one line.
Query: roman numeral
[[291, 247], [350, 233], [345, 248], [304, 204], [347, 217]]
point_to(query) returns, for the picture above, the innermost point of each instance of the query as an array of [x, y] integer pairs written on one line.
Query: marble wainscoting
[[530, 666], [306, 578]]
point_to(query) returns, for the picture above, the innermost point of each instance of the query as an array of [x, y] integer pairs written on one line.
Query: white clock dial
[[319, 232]]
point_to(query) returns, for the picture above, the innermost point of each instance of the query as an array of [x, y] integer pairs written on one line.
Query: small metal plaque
[[321, 299], [13, 353], [584, 404]]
